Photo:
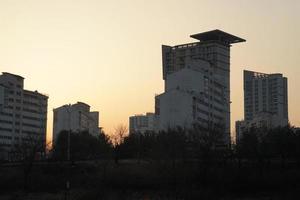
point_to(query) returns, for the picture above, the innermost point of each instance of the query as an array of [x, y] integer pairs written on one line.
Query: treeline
[[81, 146], [196, 160], [179, 144], [282, 143], [256, 145], [173, 144], [263, 160]]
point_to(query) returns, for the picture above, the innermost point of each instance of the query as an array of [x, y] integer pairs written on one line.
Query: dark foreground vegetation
[[176, 164]]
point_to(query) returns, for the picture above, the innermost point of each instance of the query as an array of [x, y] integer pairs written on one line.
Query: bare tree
[[29, 149], [121, 131], [117, 139]]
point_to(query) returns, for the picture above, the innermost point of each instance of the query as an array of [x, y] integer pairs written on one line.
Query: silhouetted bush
[[83, 146]]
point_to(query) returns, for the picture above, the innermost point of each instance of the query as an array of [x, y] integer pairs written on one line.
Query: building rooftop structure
[[15, 75], [217, 35]]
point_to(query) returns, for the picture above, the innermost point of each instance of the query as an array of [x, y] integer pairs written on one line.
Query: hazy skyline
[[108, 53]]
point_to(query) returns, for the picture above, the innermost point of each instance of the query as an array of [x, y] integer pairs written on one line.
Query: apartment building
[[23, 114], [77, 118], [265, 101], [197, 82]]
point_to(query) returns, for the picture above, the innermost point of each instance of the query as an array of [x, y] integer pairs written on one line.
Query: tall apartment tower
[[265, 93], [77, 118], [23, 113], [197, 82], [265, 101]]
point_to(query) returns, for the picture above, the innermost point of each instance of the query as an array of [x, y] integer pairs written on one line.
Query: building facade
[[142, 123], [23, 114], [77, 118], [265, 101], [197, 82]]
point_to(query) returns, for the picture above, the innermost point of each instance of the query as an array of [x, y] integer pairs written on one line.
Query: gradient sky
[[108, 53]]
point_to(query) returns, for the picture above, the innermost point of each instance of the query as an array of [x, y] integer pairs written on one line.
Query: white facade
[[77, 118], [142, 123], [197, 83], [183, 102], [265, 101], [23, 113]]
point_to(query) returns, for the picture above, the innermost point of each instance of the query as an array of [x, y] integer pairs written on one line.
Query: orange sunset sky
[[108, 53]]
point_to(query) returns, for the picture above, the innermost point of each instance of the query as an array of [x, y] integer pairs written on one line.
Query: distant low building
[[262, 121], [77, 118], [265, 102], [23, 114], [142, 123]]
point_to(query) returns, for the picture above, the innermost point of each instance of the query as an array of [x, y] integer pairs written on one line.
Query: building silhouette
[[75, 118], [197, 82], [23, 114], [142, 123], [265, 102]]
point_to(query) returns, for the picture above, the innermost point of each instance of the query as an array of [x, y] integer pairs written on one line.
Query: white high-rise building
[[265, 101], [23, 114], [77, 118], [197, 82], [141, 123]]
